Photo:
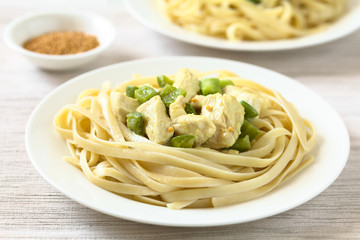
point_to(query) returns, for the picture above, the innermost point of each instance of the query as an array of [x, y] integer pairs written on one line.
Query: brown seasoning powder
[[62, 43]]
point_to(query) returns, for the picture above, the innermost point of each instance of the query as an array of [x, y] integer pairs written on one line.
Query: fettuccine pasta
[[253, 20], [115, 158]]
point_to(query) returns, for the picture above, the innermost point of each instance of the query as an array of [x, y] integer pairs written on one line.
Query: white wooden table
[[30, 207]]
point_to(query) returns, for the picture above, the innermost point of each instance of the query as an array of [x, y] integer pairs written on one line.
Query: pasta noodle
[[114, 158], [251, 20]]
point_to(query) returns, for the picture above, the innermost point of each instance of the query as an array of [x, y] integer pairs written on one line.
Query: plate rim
[[262, 46], [156, 222]]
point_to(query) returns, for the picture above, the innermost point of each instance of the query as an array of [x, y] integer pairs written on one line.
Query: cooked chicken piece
[[200, 126], [185, 80], [248, 95], [196, 101], [227, 114], [157, 123], [122, 105], [177, 108]]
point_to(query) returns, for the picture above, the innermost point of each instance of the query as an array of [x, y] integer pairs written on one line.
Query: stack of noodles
[[114, 158], [253, 20]]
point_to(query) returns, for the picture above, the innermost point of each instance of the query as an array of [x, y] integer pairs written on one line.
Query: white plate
[[146, 12], [46, 148]]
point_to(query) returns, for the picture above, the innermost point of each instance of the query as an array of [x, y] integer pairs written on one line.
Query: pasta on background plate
[[189, 140], [253, 20]]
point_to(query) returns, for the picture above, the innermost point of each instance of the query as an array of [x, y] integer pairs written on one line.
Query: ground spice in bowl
[[62, 43]]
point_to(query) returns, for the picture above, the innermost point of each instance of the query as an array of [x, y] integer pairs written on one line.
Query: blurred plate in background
[[147, 12]]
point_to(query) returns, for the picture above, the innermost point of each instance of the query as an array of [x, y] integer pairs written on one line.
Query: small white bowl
[[40, 22]]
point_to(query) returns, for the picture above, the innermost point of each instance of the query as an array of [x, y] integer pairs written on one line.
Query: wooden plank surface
[[32, 208]]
